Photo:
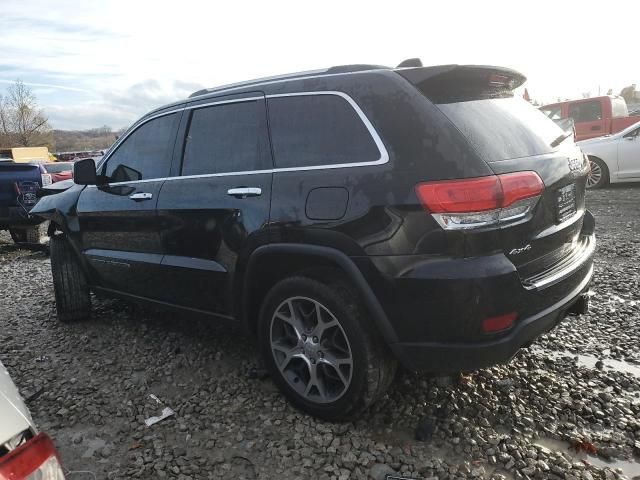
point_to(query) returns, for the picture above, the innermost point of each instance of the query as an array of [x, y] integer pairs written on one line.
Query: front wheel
[[321, 351], [70, 285]]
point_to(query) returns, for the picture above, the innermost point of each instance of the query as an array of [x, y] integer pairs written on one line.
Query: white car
[[613, 158], [25, 454]]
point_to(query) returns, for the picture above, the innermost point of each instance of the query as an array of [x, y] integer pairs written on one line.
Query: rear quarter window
[[318, 130]]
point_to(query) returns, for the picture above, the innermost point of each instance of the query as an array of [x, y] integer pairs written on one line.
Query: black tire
[[18, 235], [29, 235], [70, 286], [600, 167], [36, 233], [373, 367]]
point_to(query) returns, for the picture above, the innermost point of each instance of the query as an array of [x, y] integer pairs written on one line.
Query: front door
[[215, 212], [629, 155], [118, 222]]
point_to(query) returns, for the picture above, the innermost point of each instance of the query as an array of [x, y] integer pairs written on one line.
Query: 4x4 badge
[[517, 251]]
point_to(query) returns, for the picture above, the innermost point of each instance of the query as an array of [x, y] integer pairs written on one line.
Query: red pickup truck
[[593, 117]]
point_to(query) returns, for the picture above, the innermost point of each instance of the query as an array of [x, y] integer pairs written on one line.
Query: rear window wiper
[[561, 139]]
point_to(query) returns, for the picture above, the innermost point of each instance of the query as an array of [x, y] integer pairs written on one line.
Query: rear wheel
[[18, 235], [70, 285], [598, 174], [29, 235], [321, 351]]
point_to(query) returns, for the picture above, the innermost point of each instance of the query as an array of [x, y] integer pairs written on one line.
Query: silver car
[[24, 452]]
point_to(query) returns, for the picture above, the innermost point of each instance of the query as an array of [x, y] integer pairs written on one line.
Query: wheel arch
[[270, 263]]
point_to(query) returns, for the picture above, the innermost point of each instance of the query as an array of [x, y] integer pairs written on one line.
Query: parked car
[[19, 184], [349, 218], [24, 453], [73, 156], [614, 158], [59, 171], [593, 117]]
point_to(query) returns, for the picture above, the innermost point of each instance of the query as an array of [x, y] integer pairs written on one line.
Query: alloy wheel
[[311, 349], [595, 175]]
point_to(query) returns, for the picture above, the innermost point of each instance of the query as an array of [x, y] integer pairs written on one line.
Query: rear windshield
[[503, 128]]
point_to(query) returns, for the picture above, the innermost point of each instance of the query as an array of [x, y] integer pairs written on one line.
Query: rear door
[[589, 119], [118, 223], [215, 211]]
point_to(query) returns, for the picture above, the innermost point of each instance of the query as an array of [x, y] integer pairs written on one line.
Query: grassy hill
[[74, 140]]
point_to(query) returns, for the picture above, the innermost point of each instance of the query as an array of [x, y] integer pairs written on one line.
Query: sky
[[107, 62]]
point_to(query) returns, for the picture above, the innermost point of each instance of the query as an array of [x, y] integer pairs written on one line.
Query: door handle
[[244, 192], [141, 196], [595, 128]]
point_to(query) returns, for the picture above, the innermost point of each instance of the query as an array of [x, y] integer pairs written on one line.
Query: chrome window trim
[[384, 154]]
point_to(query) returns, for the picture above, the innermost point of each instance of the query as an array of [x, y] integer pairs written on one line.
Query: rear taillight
[[35, 459], [483, 201]]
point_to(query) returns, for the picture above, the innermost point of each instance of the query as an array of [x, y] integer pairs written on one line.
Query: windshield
[[58, 167], [503, 128]]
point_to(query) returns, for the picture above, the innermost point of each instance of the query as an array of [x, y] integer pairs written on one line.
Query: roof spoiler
[[449, 81]]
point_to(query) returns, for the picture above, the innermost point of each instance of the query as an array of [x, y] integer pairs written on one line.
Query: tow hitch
[[580, 306]]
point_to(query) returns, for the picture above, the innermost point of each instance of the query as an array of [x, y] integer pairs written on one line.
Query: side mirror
[[84, 172]]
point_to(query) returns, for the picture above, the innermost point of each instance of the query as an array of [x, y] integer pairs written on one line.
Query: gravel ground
[[566, 408]]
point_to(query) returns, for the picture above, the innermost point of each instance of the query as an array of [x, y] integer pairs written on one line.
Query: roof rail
[[248, 83], [358, 67], [290, 76]]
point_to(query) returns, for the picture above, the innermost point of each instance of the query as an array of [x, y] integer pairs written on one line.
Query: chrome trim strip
[[221, 102], [384, 154], [565, 272]]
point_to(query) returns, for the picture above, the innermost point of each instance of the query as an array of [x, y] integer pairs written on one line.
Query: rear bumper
[[451, 357]]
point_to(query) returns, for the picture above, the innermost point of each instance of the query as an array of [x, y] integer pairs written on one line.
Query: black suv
[[350, 218]]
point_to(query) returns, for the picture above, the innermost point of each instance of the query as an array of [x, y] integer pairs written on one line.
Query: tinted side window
[[314, 130], [585, 111], [146, 153], [223, 138]]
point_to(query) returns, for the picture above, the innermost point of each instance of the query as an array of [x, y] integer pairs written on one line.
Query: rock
[[380, 471]]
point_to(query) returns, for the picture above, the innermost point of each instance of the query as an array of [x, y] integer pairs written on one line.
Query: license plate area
[[565, 202]]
